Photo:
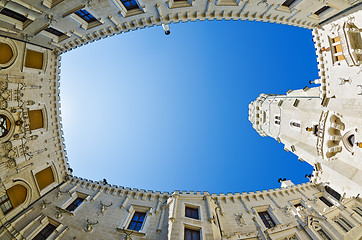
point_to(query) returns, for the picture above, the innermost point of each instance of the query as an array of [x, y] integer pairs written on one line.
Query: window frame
[[55, 176], [128, 218], [192, 208], [269, 210], [20, 25], [73, 197], [127, 13], [289, 8], [55, 38], [2, 202], [45, 59], [192, 228], [84, 24]]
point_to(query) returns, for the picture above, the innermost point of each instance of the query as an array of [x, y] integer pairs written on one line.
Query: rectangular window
[[288, 3], [192, 212], [298, 205], [322, 10], [5, 204], [33, 59], [54, 31], [85, 15], [191, 234], [14, 15], [36, 119], [326, 202], [75, 204], [267, 220], [358, 210], [137, 221], [130, 4], [45, 232]]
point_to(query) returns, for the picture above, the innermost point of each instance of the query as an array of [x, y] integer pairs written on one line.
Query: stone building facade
[[40, 199]]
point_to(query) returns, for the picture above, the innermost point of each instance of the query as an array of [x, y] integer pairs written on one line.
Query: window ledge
[[131, 232], [65, 211]]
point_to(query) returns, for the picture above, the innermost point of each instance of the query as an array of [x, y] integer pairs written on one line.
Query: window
[[358, 210], [45, 232], [5, 204], [6, 53], [33, 59], [277, 122], [350, 140], [323, 10], [54, 31], [288, 3], [336, 49], [14, 15], [192, 212], [316, 130], [12, 198], [36, 119], [342, 223], [4, 125], [44, 178], [191, 234], [326, 202], [85, 15], [298, 205], [137, 221], [267, 220], [130, 4], [295, 124], [323, 234], [75, 204], [334, 193]]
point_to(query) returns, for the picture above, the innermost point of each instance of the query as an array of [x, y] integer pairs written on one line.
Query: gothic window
[[130, 4], [192, 212], [323, 234], [267, 220], [14, 15], [137, 221], [33, 59], [5, 204], [36, 119], [85, 15], [45, 232], [322, 11], [325, 201], [4, 125], [332, 192], [191, 234], [75, 204]]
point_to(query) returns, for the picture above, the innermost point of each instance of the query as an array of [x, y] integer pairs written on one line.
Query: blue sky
[[150, 111]]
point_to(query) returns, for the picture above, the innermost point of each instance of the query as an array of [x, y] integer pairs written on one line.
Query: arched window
[[44, 178], [4, 125], [350, 140], [13, 197], [6, 53]]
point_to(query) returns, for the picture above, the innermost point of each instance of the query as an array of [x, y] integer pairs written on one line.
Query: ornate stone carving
[[239, 220]]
